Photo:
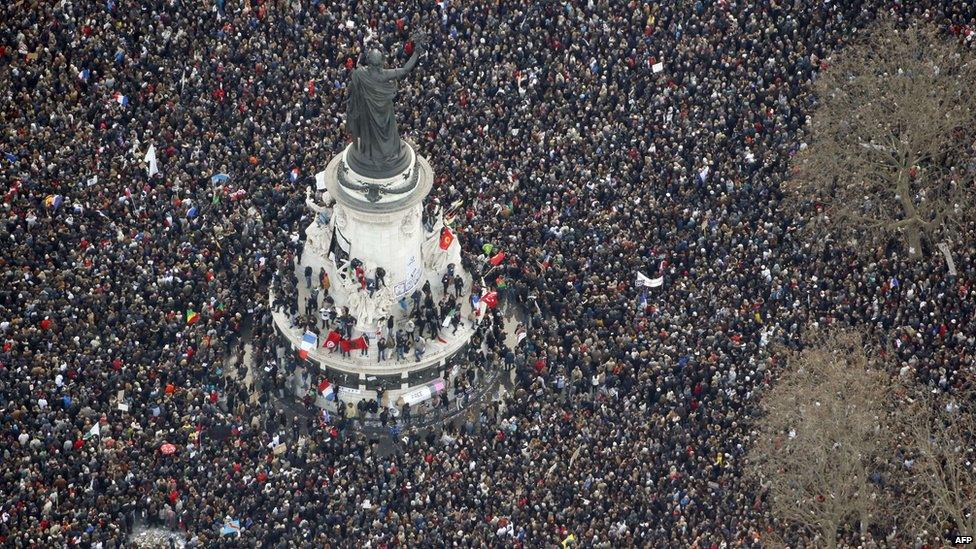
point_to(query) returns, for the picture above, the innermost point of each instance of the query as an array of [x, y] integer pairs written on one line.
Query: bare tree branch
[[938, 438], [823, 436], [890, 137]]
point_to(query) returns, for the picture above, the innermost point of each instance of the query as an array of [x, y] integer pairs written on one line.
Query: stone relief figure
[[435, 259], [409, 223], [368, 310]]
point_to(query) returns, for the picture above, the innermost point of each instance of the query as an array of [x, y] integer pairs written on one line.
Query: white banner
[[417, 395], [150, 157], [644, 281]]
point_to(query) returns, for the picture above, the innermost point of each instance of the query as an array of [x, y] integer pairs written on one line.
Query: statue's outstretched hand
[[419, 40]]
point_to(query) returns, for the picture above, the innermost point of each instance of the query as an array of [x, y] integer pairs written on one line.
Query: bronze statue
[[377, 149]]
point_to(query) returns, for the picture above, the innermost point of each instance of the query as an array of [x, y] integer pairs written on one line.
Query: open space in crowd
[[588, 140]]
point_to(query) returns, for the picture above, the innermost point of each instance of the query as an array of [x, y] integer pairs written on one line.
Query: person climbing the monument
[[324, 282], [360, 274]]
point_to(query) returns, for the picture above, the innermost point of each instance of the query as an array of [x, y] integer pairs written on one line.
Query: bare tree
[[822, 436], [891, 142], [939, 437]]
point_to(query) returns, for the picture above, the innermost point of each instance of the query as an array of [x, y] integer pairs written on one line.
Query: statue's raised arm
[[377, 149], [420, 46]]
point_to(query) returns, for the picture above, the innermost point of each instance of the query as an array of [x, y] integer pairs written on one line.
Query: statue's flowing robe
[[370, 116]]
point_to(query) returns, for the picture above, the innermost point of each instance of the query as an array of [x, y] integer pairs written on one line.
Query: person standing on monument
[[381, 349]]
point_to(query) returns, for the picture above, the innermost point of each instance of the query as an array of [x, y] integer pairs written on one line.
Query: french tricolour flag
[[309, 342], [327, 390]]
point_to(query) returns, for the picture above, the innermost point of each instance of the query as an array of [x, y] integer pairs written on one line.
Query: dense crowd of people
[[589, 140]]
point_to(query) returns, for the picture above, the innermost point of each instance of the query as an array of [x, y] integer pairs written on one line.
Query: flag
[[231, 527], [447, 238], [497, 259], [339, 248], [120, 99], [520, 337], [332, 340], [643, 300], [359, 343], [14, 188], [487, 248], [53, 201], [345, 345], [293, 176], [490, 299], [95, 431], [327, 390], [309, 342], [10, 157], [150, 157], [192, 317], [657, 67], [218, 178], [569, 539], [474, 300]]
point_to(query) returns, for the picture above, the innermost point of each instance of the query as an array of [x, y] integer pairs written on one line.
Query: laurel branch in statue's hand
[[420, 40]]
